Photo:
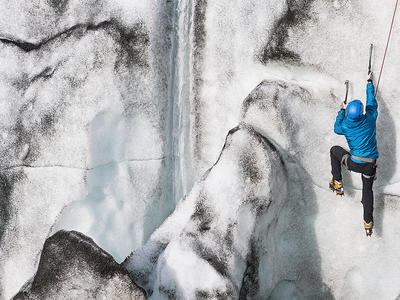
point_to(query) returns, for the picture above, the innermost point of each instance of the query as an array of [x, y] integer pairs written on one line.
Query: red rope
[[387, 45]]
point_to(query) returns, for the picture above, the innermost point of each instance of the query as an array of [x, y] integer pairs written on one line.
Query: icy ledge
[[72, 266], [228, 237]]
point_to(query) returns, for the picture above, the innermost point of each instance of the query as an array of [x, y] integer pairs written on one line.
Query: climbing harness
[[387, 45], [344, 159], [365, 159]]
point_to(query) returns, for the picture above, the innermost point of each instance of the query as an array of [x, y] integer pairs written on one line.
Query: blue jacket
[[360, 133]]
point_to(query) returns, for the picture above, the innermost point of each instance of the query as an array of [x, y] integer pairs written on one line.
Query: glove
[[343, 106], [370, 77]]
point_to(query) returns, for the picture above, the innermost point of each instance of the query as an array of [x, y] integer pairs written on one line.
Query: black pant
[[367, 169]]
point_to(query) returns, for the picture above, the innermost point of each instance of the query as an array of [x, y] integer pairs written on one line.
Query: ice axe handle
[[370, 57], [347, 91]]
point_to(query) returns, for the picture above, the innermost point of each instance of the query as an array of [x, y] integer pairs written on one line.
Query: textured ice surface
[[83, 115], [238, 233], [311, 47], [72, 266], [319, 44], [347, 258], [112, 109], [312, 246]]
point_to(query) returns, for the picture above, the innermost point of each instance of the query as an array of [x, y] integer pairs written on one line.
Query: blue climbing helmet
[[355, 109]]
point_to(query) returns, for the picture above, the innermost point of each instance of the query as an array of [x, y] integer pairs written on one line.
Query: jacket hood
[[351, 123]]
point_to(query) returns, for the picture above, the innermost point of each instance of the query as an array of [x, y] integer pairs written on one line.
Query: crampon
[[368, 228], [336, 186]]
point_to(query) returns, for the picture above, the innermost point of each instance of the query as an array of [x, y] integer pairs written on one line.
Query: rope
[[387, 45]]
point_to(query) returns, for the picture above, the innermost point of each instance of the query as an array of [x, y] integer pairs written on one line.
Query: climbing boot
[[336, 186], [368, 228]]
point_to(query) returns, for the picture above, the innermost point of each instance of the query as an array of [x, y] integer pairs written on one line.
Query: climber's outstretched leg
[[338, 157]]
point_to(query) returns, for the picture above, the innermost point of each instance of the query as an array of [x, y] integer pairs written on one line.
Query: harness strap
[[364, 159], [367, 176], [344, 159]]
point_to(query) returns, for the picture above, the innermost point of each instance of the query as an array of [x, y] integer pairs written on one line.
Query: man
[[360, 132]]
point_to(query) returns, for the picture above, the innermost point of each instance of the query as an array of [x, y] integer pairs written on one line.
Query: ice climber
[[360, 132]]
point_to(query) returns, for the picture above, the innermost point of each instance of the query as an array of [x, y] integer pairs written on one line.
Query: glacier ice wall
[[84, 111], [309, 48], [316, 43], [232, 236], [347, 257], [111, 110]]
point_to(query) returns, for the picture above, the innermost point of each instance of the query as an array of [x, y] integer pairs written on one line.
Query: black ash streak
[[70, 255], [28, 47], [137, 32], [8, 180], [130, 53], [80, 168], [297, 13], [199, 44]]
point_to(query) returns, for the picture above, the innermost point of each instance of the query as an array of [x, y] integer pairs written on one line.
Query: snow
[[90, 142], [217, 235], [347, 258], [42, 203], [175, 265], [333, 47], [84, 142], [353, 263]]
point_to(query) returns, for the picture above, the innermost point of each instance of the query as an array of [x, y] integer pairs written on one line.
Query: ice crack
[[28, 46], [4, 168]]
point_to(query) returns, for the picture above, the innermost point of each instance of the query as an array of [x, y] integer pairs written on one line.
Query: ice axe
[[347, 91], [370, 57]]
